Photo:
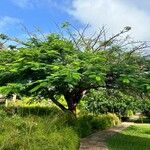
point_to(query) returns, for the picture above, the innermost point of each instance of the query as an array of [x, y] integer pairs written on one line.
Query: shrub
[[144, 107], [87, 124], [105, 121], [119, 103]]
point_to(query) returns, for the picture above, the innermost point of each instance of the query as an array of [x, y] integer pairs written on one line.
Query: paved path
[[96, 141]]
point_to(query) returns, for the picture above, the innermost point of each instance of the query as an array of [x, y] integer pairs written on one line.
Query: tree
[[72, 66]]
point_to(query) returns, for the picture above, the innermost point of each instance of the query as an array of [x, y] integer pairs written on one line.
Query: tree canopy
[[72, 66]]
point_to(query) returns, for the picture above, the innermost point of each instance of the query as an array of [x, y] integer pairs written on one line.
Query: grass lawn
[[136, 137]]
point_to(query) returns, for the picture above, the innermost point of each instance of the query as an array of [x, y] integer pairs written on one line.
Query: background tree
[[72, 66]]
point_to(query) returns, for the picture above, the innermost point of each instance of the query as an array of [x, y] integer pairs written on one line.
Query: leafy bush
[[144, 106], [119, 103], [105, 121], [87, 124]]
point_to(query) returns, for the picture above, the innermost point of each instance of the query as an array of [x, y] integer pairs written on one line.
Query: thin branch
[[105, 43], [41, 33], [26, 30], [59, 29], [98, 37], [81, 34], [17, 41], [73, 38], [140, 47]]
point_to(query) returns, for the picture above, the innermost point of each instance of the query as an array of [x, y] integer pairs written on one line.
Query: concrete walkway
[[96, 141]]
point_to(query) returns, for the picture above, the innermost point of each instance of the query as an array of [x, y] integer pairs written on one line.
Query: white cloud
[[115, 14], [22, 3], [6, 22]]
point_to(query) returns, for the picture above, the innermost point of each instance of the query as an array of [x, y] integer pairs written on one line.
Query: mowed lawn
[[135, 137]]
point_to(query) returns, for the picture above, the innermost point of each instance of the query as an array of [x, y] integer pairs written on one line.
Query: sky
[[47, 14]]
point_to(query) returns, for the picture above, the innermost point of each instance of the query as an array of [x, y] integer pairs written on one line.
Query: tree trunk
[[72, 99], [71, 105]]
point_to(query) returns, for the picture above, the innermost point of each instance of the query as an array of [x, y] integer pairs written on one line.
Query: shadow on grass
[[144, 119], [120, 141]]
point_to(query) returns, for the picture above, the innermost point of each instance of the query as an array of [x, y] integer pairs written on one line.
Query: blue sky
[[45, 14]]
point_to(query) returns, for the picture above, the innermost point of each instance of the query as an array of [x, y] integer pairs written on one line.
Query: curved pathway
[[96, 141]]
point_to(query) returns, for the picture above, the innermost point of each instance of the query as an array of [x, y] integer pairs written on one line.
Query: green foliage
[[86, 124], [144, 106], [105, 121], [119, 103], [123, 105], [56, 66]]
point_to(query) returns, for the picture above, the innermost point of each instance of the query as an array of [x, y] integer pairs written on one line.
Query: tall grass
[[34, 132], [34, 127]]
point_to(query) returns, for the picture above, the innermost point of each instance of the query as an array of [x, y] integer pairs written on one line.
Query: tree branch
[[105, 43], [58, 103]]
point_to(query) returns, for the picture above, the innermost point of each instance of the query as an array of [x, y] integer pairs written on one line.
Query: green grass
[[34, 132], [136, 137], [47, 128]]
